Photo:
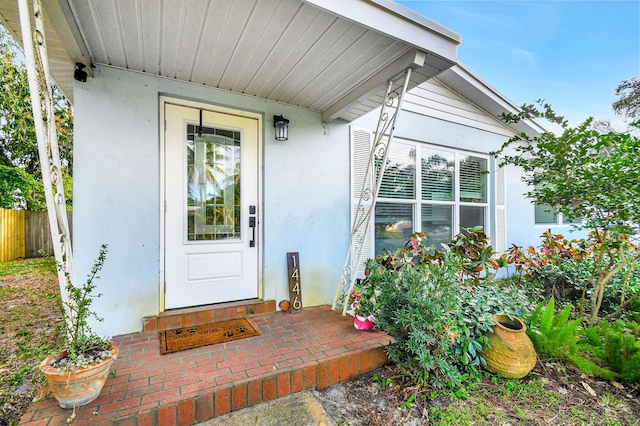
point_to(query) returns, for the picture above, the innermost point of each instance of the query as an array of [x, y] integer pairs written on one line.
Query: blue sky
[[573, 54]]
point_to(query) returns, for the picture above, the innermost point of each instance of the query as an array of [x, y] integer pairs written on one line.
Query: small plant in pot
[[364, 303], [77, 374]]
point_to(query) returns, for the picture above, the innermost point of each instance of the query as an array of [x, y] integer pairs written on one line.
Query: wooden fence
[[25, 234]]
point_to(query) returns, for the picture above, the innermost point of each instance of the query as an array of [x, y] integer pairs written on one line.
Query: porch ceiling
[[331, 56]]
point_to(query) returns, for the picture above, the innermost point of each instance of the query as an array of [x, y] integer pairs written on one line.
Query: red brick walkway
[[312, 349]]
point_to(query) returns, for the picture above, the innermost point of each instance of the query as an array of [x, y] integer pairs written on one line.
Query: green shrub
[[417, 308], [553, 334], [437, 320], [474, 317], [616, 346]]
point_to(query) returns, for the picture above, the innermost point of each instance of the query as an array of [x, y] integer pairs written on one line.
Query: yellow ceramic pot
[[510, 351]]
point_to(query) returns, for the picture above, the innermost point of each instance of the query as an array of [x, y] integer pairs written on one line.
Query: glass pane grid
[[399, 173], [438, 175], [450, 191], [473, 179], [213, 188]]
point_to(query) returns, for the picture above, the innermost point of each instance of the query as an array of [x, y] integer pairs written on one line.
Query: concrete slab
[[300, 409]]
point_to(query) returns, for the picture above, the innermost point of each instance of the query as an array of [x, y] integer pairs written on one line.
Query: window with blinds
[[473, 179], [547, 215], [399, 175], [438, 175], [429, 189]]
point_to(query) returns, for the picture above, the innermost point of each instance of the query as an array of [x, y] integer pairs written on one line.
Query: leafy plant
[[406, 404], [616, 345], [82, 345], [364, 298], [588, 174], [437, 319], [552, 334], [472, 245], [417, 305]]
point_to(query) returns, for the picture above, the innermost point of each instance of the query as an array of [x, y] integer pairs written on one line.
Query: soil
[[568, 398], [30, 316]]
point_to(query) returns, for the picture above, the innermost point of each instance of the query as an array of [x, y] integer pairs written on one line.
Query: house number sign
[[295, 290]]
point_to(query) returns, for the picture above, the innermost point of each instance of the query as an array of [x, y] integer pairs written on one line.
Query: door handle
[[252, 225]]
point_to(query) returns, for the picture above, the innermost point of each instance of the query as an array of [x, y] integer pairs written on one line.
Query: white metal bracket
[[35, 52], [383, 138]]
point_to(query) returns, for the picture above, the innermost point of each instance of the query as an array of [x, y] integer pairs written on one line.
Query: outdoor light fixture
[[282, 127], [80, 74]]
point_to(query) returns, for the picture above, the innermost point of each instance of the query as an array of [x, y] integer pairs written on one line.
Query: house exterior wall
[[435, 115], [117, 192], [305, 185]]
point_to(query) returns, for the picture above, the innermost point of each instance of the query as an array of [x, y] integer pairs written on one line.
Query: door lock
[[252, 225]]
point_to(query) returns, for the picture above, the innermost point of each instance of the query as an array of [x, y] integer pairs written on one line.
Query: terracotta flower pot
[[510, 351], [80, 387], [363, 323]]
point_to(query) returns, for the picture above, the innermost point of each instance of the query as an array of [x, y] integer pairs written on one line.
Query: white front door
[[211, 202]]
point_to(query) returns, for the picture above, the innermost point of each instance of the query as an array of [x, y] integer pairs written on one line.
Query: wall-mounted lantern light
[[282, 127]]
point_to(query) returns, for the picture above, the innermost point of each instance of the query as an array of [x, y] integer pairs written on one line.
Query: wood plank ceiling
[[287, 51]]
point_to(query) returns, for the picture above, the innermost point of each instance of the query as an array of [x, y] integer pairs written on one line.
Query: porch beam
[[412, 59]]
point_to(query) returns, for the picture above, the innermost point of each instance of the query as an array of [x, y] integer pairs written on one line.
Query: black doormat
[[181, 339]]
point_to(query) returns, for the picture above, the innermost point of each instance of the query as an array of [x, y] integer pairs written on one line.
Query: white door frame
[[214, 108]]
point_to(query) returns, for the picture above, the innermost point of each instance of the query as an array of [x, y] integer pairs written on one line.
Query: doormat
[[181, 339]]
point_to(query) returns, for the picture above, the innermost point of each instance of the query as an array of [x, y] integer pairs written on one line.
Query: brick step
[[314, 348], [212, 404], [178, 318]]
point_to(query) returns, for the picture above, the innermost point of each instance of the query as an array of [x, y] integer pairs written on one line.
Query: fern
[[553, 334], [615, 346]]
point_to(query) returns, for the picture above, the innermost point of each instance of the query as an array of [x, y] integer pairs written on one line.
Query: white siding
[[434, 99]]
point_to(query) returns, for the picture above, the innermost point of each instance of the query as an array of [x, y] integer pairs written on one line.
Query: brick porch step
[[312, 349], [179, 318]]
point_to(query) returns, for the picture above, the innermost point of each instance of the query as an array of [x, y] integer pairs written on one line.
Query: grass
[[41, 265], [506, 401], [29, 331]]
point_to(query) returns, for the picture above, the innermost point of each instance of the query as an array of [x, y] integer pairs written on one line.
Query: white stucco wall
[[305, 190]]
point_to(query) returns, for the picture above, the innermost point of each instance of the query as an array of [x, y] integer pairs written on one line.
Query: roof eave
[[471, 86]]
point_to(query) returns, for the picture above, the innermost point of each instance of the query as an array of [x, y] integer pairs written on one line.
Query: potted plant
[[77, 374], [364, 304]]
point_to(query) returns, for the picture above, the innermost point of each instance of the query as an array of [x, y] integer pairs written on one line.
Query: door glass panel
[[213, 184]]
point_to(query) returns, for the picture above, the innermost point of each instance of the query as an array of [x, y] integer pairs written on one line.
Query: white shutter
[[361, 141], [501, 211]]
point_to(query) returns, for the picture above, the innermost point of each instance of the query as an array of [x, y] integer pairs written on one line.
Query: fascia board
[[395, 20]]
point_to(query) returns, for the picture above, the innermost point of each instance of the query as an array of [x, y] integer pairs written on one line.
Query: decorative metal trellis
[[42, 103], [383, 138]]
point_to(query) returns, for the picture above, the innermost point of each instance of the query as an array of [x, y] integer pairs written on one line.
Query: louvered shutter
[[501, 211], [361, 141]]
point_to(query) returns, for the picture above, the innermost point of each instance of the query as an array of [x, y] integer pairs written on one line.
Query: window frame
[[560, 221], [417, 202]]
